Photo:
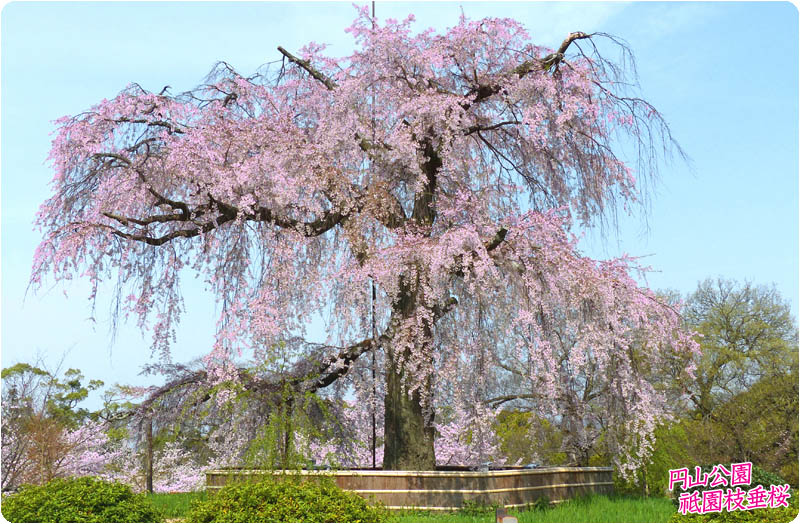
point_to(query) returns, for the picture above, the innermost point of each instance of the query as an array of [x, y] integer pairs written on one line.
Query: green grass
[[175, 505], [596, 508], [440, 516], [599, 508]]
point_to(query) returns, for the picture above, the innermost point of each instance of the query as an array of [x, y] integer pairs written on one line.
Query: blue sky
[[725, 76]]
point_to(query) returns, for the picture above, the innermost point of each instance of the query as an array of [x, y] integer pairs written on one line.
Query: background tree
[[525, 438], [748, 334], [43, 429], [744, 395], [757, 425], [445, 170], [741, 404]]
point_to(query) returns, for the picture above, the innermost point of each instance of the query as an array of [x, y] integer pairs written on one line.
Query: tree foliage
[[42, 426], [742, 403], [744, 394], [748, 335]]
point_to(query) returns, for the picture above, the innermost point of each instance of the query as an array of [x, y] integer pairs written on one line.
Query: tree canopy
[[445, 171], [748, 334], [743, 398]]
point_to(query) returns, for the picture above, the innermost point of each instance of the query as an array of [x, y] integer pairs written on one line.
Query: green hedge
[[286, 499], [84, 499]]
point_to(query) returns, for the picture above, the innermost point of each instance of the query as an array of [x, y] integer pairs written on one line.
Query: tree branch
[[178, 233], [322, 378], [306, 65], [552, 60], [490, 246], [172, 217], [171, 128], [310, 229], [307, 376], [498, 401], [477, 128], [482, 92]]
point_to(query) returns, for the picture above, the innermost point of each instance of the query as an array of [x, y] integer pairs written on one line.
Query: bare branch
[[498, 401], [476, 128], [306, 65], [554, 59]]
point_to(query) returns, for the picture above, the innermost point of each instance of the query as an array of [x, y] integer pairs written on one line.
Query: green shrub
[[286, 499], [84, 499]]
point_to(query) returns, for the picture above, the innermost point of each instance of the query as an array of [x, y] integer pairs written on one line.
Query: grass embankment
[[588, 509]]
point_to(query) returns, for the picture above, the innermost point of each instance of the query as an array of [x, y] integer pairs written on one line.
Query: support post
[[148, 454]]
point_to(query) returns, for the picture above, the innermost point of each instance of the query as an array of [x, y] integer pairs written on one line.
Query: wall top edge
[[381, 473]]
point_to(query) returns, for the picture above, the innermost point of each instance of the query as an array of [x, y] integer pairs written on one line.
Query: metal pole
[[374, 393]]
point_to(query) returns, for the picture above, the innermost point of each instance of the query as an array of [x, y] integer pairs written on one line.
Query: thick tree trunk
[[408, 433], [408, 439]]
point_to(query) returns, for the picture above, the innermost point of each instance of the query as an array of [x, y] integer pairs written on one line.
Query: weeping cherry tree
[[446, 171]]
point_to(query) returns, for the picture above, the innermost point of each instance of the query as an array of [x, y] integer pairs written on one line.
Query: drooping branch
[[443, 308], [325, 223], [322, 376], [190, 379], [477, 128], [178, 233], [306, 376], [172, 217], [171, 128]]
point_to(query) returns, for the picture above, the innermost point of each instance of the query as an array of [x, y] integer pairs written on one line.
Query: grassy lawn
[[604, 509], [175, 505], [588, 509]]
